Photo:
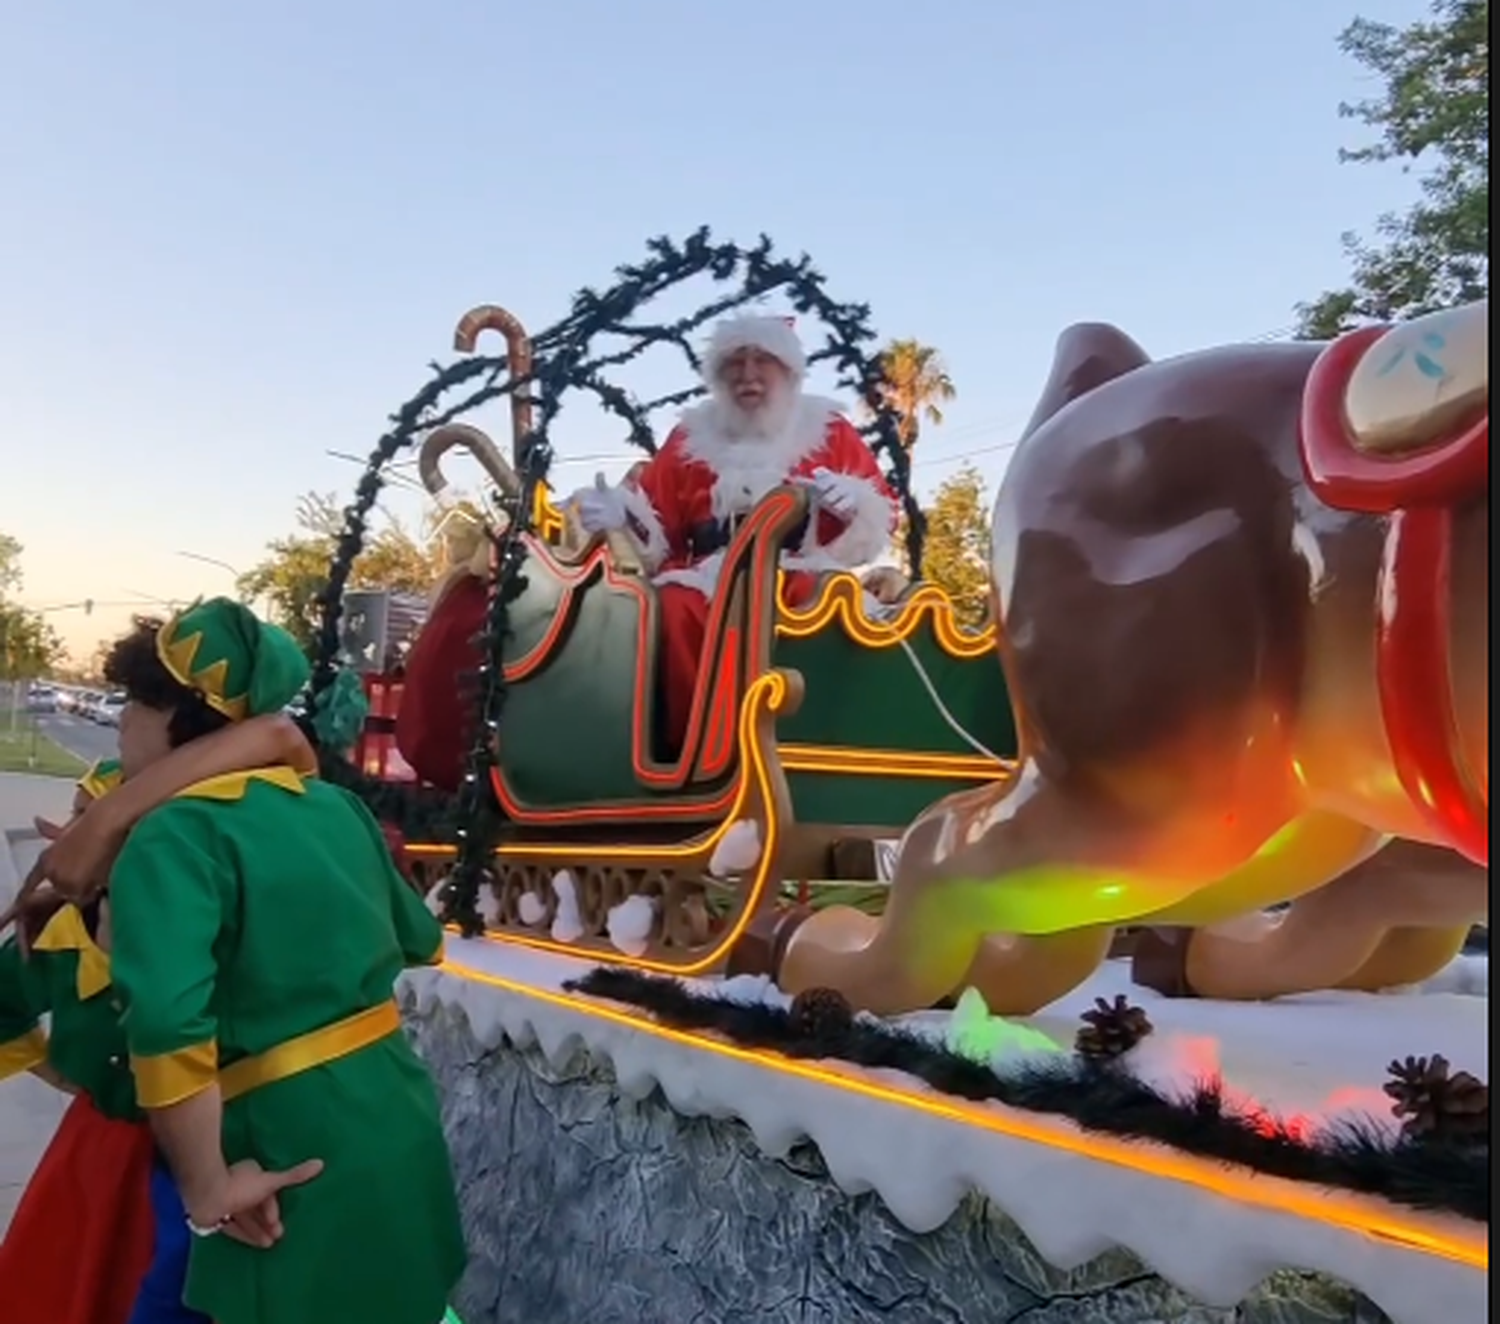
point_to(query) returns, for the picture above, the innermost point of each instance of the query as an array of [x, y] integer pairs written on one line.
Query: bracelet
[[212, 1230]]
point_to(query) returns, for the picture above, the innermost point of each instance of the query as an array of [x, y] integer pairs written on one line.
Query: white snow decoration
[[567, 923], [1467, 976], [973, 1033], [489, 906], [532, 908], [1320, 1051], [738, 850], [433, 897], [750, 990], [629, 924]]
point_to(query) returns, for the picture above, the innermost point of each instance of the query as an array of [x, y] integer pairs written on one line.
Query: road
[[79, 736]]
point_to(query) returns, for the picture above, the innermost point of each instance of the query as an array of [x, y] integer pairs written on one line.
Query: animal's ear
[[1088, 355]]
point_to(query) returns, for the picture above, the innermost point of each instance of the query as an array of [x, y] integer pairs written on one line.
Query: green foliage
[[295, 568], [29, 646], [915, 386], [1433, 112], [957, 554], [10, 565]]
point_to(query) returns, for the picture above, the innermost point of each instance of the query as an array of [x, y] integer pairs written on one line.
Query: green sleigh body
[[816, 733]]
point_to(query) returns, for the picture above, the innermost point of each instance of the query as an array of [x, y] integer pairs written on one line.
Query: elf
[[99, 1237], [259, 925]]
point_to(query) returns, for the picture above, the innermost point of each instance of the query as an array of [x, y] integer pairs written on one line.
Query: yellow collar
[[66, 932], [232, 785]]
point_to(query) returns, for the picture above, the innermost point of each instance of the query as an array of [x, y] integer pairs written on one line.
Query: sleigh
[[816, 734]]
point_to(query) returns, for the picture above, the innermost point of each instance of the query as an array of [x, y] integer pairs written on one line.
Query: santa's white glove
[[837, 493], [601, 508]]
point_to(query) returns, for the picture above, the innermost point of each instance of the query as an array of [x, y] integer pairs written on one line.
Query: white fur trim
[[868, 533], [771, 335], [745, 469], [640, 511], [701, 575]]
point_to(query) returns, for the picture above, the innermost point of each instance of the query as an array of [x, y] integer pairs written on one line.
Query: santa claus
[[757, 431]]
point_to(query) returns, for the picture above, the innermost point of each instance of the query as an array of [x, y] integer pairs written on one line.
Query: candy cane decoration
[[492, 317]]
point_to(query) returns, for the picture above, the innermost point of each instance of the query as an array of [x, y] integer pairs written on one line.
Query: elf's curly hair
[[136, 667]]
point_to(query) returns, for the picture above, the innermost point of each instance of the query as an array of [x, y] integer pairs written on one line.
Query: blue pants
[[160, 1299]]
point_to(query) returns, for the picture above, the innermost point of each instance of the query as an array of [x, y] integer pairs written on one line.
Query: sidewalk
[[29, 1110]]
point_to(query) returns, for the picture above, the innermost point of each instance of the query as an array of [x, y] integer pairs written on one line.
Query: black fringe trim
[[1353, 1155]]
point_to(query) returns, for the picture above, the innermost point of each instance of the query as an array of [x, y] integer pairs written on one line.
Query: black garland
[[562, 360], [1098, 1096]]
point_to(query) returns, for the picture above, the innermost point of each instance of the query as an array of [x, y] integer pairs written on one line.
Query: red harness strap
[[1417, 493]]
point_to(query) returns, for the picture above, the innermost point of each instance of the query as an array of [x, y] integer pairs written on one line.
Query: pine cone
[[1434, 1104], [1111, 1029], [820, 1013]]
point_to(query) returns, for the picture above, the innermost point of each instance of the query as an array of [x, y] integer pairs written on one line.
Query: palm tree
[[916, 386]]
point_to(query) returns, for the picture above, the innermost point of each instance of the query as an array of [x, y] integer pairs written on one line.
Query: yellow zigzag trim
[[177, 655]]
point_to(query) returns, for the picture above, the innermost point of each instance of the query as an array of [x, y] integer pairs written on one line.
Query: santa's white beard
[[767, 422]]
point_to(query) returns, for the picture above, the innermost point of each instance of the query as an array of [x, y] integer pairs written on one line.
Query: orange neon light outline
[[776, 507], [1314, 1204], [852, 761], [546, 518], [843, 600], [768, 692]]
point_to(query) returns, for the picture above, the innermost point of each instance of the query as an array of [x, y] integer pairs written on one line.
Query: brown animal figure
[[1212, 671]]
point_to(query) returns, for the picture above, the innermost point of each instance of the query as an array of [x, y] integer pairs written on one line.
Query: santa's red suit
[[684, 504]]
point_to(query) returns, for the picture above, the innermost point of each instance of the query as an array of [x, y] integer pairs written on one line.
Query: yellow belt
[[316, 1048]]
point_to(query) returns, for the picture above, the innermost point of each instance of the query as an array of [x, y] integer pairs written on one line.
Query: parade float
[[825, 1014]]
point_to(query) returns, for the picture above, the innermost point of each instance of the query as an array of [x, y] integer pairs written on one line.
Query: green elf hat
[[241, 665], [101, 779]]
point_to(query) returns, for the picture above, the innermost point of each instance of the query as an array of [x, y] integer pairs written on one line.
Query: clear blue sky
[[233, 235]]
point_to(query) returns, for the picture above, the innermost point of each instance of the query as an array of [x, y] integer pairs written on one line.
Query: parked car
[[107, 713], [41, 699]]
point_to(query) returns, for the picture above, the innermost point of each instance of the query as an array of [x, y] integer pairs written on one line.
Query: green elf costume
[[259, 925]]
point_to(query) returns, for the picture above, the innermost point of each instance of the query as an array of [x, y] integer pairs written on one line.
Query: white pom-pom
[[567, 923], [738, 850], [629, 924], [532, 908]]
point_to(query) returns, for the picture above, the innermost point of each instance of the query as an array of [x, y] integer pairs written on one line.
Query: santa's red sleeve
[[866, 534], [654, 505]]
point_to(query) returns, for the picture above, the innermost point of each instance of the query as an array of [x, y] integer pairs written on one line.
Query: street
[[29, 1110], [79, 736]]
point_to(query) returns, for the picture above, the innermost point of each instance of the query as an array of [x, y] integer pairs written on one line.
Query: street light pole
[[256, 604], [212, 560]]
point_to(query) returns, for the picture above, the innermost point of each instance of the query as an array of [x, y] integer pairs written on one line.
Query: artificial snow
[[738, 850], [532, 909], [567, 922], [1309, 1059], [629, 924]]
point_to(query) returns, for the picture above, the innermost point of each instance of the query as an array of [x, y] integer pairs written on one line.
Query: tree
[[293, 573], [956, 555], [1434, 111], [29, 646], [916, 386]]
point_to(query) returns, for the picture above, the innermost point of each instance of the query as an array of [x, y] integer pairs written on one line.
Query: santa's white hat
[[776, 336]]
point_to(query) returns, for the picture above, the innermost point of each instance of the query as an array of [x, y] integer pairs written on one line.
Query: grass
[[26, 749]]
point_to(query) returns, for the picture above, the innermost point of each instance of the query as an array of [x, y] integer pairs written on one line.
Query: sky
[[233, 236]]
